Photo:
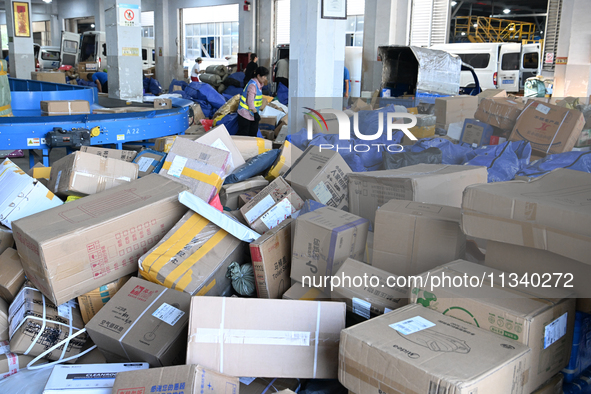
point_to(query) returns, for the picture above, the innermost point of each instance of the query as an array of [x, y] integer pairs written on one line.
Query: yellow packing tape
[[261, 146], [204, 290], [188, 263], [211, 179], [168, 249], [274, 172]]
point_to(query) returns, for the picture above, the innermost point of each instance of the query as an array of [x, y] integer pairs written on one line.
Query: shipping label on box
[[70, 250], [271, 206], [186, 379], [149, 161], [258, 337], [541, 318], [476, 133], [320, 175], [125, 155], [549, 128], [323, 240], [376, 297], [432, 353], [201, 167], [193, 257], [218, 137], [271, 260], [143, 321]]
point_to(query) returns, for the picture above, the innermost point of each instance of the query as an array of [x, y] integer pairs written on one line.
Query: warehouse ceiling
[[489, 8]]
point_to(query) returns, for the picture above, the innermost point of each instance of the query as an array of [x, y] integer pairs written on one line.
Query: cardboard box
[[81, 174], [125, 155], [280, 338], [476, 133], [6, 240], [428, 183], [193, 257], [200, 167], [87, 379], [163, 144], [289, 153], [541, 318], [417, 350], [245, 198], [25, 324], [162, 103], [70, 250], [149, 161], [251, 146], [454, 109], [230, 193], [92, 302], [548, 213], [119, 110], [47, 76], [271, 206], [11, 363], [268, 123], [523, 260], [4, 326], [368, 300], [182, 379], [283, 122], [320, 175], [271, 261], [491, 93], [361, 105], [12, 275], [21, 195], [499, 112], [549, 128], [323, 240], [411, 238], [197, 111], [143, 321], [262, 385], [584, 139], [65, 107], [300, 292], [88, 66], [219, 137]]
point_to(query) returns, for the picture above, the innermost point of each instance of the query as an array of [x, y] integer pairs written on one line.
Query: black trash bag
[[254, 166], [393, 161]]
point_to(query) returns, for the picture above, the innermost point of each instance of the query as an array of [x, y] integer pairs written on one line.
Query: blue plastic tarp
[[152, 86], [501, 160], [176, 82], [579, 161], [254, 166], [282, 94], [202, 92]]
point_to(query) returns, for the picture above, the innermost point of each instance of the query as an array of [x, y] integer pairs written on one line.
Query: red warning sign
[[129, 15]]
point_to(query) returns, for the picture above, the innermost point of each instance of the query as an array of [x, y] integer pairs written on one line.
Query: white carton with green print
[[539, 317]]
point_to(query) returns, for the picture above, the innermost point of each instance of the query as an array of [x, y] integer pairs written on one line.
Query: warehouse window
[[148, 24], [210, 32], [476, 60], [354, 31]]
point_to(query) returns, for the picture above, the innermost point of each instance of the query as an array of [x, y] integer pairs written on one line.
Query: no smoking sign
[[129, 15]]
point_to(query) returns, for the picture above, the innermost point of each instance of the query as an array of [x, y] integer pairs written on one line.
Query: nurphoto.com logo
[[344, 130]]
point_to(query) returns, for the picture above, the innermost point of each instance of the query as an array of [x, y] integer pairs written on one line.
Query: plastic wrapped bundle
[[242, 277], [212, 79], [5, 106], [219, 70]]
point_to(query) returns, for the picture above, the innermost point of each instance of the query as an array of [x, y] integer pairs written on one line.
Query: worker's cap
[[199, 59]]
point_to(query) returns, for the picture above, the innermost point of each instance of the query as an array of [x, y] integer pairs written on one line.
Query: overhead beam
[[518, 15]]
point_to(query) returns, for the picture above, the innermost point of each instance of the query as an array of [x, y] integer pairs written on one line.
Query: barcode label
[[168, 314], [412, 325], [361, 307], [177, 166], [555, 330], [144, 163], [322, 192], [274, 216], [543, 109], [204, 156], [65, 311]]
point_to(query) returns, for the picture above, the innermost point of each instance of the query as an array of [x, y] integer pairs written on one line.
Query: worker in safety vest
[[250, 103]]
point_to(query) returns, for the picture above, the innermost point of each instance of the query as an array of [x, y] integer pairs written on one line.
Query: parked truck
[[498, 65]]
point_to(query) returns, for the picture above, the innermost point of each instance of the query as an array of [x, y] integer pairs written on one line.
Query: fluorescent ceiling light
[[92, 25], [506, 11], [476, 25], [47, 1], [463, 33], [453, 3]]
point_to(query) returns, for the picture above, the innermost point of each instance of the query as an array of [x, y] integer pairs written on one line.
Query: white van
[[148, 53], [91, 46], [498, 65]]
